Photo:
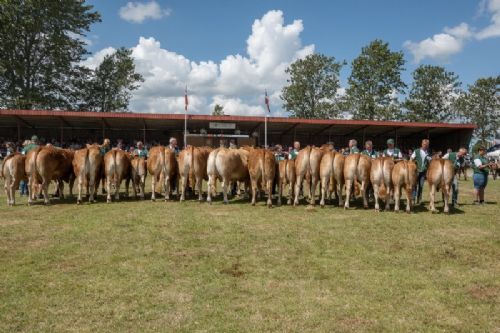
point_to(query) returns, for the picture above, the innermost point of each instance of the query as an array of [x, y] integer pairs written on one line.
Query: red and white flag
[[186, 102], [266, 100]]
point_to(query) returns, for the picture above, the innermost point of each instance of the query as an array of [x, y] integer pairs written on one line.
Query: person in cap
[[279, 155], [422, 157], [140, 151], [481, 169], [232, 144], [10, 148], [30, 145], [172, 144], [391, 151], [295, 151], [458, 159], [353, 147], [368, 151]]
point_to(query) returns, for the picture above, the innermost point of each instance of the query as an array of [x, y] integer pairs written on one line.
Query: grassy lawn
[[141, 266]]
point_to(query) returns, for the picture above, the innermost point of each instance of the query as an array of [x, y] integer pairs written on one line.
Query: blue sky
[[202, 31]]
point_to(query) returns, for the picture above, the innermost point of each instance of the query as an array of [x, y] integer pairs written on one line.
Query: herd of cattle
[[254, 167]]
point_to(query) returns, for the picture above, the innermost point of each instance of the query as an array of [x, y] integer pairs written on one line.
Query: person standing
[[27, 147], [172, 144], [421, 157], [295, 151], [140, 151], [353, 147], [481, 169], [391, 151], [369, 150], [458, 159]]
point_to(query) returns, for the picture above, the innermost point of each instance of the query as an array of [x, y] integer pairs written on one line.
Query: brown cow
[[12, 172], [404, 175], [440, 175], [262, 168], [380, 177], [286, 174], [162, 164], [228, 165], [138, 173], [308, 161], [116, 169], [331, 170], [46, 164], [357, 169], [87, 166], [193, 167]]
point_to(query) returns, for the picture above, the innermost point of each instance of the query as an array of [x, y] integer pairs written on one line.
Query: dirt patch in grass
[[484, 293], [234, 270]]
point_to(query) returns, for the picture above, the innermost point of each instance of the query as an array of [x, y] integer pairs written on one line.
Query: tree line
[[376, 91], [43, 44]]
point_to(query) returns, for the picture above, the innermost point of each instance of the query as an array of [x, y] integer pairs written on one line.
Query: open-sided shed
[[66, 125]]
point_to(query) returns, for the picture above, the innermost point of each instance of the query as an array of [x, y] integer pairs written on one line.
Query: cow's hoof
[[377, 210]]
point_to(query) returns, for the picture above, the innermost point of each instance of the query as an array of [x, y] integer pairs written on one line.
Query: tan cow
[[331, 171], [357, 169], [404, 176], [88, 165], [162, 164], [116, 169], [440, 175], [138, 173], [12, 172], [308, 162], [286, 174], [380, 177], [193, 169], [262, 168], [228, 165], [46, 164]]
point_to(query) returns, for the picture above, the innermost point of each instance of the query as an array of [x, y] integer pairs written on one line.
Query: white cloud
[[451, 41], [493, 30], [237, 82], [439, 46], [137, 12], [93, 61]]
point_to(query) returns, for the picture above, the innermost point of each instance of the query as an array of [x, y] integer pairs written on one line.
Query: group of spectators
[[421, 156]]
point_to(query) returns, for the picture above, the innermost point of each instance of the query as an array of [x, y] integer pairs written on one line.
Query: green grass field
[[138, 266]]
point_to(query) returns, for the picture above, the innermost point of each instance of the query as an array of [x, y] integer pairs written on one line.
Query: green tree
[[432, 94], [40, 43], [375, 82], [312, 87], [218, 110], [481, 106], [110, 84]]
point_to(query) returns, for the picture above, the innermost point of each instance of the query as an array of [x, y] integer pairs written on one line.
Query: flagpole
[[185, 118], [265, 132]]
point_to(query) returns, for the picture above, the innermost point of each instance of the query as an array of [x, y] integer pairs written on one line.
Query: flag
[[266, 100], [186, 102]]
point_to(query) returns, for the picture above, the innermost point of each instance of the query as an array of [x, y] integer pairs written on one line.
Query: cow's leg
[[312, 190], [142, 185], [79, 188], [388, 196], [153, 187], [108, 189], [45, 189], [376, 189], [254, 191], [432, 194], [210, 188], [324, 187], [446, 192], [167, 187], [364, 192], [182, 187], [8, 190], [348, 189], [340, 189], [269, 193], [298, 184], [280, 190], [135, 185], [409, 198], [397, 196], [198, 185], [118, 183], [92, 187], [224, 190]]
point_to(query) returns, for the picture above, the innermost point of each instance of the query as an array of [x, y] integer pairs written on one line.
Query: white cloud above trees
[[138, 12]]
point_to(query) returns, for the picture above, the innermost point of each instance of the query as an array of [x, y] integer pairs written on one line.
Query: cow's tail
[[382, 190], [440, 185], [263, 166], [191, 169], [407, 174]]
